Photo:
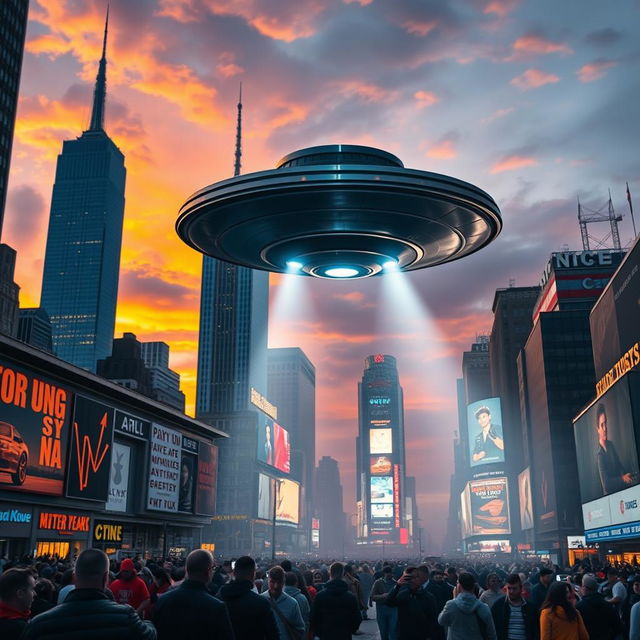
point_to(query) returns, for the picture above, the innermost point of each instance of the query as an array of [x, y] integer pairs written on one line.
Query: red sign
[[404, 535], [396, 495]]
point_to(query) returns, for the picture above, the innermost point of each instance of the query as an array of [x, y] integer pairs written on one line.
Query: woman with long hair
[[559, 619]]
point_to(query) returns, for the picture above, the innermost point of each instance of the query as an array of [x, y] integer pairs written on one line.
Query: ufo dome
[[339, 211]]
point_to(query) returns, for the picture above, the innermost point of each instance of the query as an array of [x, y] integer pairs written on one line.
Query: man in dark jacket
[[189, 612], [17, 590], [417, 617], [251, 616], [600, 617], [87, 611], [513, 616], [539, 591], [335, 614]]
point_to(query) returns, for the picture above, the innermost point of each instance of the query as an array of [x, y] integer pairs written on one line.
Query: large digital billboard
[[489, 506], [288, 503], [274, 448], [526, 500], [380, 465], [380, 441], [486, 443], [164, 469], [381, 489], [34, 431], [606, 445], [265, 497]]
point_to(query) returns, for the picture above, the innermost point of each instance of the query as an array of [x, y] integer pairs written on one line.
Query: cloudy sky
[[535, 102]]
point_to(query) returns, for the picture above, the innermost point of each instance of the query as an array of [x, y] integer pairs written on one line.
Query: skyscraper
[[165, 383], [82, 260], [329, 507], [380, 452], [13, 26]]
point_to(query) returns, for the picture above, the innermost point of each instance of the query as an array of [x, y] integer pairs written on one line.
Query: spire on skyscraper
[[236, 167], [100, 91]]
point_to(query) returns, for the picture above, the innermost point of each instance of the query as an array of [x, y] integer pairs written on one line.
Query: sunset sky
[[534, 101]]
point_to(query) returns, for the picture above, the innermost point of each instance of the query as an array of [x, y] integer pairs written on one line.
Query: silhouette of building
[[34, 328], [475, 370], [82, 260], [329, 507], [165, 383], [9, 292], [126, 367]]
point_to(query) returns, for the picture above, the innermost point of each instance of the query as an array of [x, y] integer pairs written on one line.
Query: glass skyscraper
[[82, 261]]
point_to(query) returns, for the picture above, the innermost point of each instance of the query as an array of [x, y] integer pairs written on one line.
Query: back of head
[[336, 571], [13, 580], [558, 596], [467, 581], [245, 568], [290, 579], [589, 583], [286, 564], [277, 574], [91, 569], [199, 563]]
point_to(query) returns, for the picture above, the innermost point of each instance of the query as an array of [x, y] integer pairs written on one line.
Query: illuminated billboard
[[526, 501], [381, 511], [380, 466], [484, 422], [489, 546], [606, 446], [265, 497], [380, 441], [381, 489], [274, 447], [465, 513], [489, 506], [288, 501]]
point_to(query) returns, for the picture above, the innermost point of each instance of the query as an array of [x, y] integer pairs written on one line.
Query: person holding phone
[[416, 607]]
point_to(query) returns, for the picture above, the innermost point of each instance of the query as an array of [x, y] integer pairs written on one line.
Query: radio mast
[[588, 216]]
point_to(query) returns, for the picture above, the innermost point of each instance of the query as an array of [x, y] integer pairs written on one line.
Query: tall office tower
[[34, 328], [380, 452], [13, 26], [165, 383], [82, 260], [292, 388], [329, 507], [125, 365], [232, 359], [475, 370], [556, 379]]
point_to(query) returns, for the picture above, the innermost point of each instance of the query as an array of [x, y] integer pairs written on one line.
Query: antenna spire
[[100, 91], [237, 165]]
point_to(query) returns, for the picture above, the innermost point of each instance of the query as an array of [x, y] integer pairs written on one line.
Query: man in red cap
[[128, 588]]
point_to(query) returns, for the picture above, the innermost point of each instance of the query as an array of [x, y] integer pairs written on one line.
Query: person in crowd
[[386, 617], [515, 618], [354, 585], [66, 585], [291, 589], [308, 580], [634, 622], [129, 588], [416, 607], [365, 576], [45, 597], [539, 591], [451, 577], [465, 617], [335, 614], [613, 589], [493, 591], [17, 591], [189, 612], [632, 597], [286, 609], [599, 616], [252, 618], [162, 582], [559, 619], [87, 612]]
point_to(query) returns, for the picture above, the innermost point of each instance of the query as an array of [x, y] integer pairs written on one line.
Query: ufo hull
[[319, 215]]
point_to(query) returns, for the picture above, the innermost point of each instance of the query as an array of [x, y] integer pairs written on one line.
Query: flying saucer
[[339, 212]]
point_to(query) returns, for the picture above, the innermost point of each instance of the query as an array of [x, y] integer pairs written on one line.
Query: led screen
[[288, 501], [605, 445], [282, 447], [489, 506], [526, 502], [484, 421], [274, 447], [265, 500], [380, 441], [381, 511], [380, 465], [381, 490]]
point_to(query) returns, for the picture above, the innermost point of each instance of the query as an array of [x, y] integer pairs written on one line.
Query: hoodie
[[302, 601], [464, 618], [252, 618]]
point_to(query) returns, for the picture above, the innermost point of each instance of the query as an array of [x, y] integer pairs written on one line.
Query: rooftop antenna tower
[[605, 213]]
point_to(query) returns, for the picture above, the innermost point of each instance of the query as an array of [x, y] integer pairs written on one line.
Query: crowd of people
[[96, 598]]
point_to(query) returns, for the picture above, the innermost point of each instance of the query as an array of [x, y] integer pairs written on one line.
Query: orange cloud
[[420, 28], [501, 8], [444, 150], [533, 79], [532, 43], [425, 98], [366, 90], [594, 70], [510, 163]]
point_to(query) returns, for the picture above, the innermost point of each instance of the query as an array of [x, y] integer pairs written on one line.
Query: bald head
[[92, 569], [200, 565]]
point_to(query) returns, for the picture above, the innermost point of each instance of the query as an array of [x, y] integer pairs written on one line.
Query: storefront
[[15, 529], [61, 533]]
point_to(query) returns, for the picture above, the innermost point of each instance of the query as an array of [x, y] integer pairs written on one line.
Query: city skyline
[[531, 108]]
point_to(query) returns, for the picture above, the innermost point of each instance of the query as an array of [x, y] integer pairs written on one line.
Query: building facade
[[329, 508], [165, 383], [82, 260], [34, 328]]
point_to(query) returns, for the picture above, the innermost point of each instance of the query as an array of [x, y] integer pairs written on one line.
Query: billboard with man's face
[[486, 440], [606, 446]]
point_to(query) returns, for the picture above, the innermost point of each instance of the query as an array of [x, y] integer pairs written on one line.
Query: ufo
[[339, 212]]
